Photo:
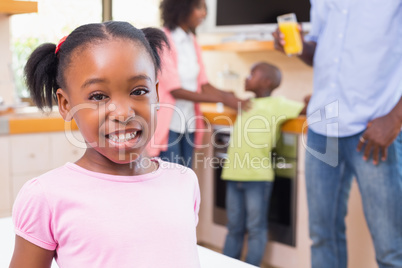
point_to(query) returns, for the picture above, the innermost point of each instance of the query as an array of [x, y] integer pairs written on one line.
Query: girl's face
[[111, 92], [197, 15]]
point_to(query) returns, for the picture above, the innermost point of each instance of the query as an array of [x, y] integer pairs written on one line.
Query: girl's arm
[[28, 255]]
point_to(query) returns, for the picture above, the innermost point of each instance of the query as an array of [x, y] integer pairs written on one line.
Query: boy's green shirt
[[255, 133]]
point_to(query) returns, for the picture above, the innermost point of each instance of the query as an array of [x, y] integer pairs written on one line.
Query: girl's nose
[[121, 112]]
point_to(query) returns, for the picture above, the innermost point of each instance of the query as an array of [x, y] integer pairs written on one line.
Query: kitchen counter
[[221, 115], [31, 120]]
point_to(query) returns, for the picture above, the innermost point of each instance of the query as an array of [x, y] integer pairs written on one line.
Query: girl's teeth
[[123, 137]]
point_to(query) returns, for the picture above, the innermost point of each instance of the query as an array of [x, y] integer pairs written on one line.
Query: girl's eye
[[98, 97], [139, 91]]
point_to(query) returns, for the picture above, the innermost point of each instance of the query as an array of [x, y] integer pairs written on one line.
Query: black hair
[[175, 12], [270, 72], [44, 71]]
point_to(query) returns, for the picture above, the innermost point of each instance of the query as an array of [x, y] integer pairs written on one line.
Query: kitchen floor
[[220, 251]]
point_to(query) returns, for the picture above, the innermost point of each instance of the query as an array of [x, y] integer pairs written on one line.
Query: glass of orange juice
[[289, 28]]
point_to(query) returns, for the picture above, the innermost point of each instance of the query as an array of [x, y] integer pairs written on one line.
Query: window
[[140, 13], [55, 19]]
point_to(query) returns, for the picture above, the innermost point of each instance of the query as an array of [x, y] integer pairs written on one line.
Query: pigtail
[[157, 40], [40, 75]]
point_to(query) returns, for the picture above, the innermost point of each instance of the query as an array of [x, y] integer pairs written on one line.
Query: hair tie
[[60, 43]]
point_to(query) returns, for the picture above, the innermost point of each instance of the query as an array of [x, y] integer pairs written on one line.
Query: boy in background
[[248, 168]]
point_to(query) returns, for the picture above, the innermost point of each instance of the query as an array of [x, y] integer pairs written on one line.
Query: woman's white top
[[183, 119]]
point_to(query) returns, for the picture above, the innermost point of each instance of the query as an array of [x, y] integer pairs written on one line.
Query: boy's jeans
[[247, 211], [328, 187]]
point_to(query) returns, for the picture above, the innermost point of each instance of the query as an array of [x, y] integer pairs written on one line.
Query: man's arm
[[380, 133], [308, 52]]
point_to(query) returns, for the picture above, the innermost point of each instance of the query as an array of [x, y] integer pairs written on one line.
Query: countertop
[[222, 115], [31, 120]]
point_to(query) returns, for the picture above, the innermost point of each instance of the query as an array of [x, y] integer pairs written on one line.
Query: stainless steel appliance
[[282, 210]]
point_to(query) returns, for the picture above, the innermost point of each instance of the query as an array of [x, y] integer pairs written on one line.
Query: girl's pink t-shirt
[[99, 220]]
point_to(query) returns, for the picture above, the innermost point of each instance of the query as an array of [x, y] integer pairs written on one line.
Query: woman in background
[[183, 84]]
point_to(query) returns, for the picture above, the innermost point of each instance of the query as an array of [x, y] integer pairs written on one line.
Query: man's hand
[[308, 47], [279, 40], [379, 135]]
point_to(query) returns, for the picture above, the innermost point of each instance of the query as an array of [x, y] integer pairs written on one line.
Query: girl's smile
[[125, 138]]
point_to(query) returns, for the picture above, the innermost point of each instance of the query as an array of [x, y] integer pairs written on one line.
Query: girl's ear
[[64, 104], [157, 90]]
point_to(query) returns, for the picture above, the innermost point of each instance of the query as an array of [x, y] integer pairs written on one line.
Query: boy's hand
[[379, 135], [245, 105], [306, 101], [233, 102]]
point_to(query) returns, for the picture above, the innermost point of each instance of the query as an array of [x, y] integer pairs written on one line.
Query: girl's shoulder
[[38, 187], [54, 176]]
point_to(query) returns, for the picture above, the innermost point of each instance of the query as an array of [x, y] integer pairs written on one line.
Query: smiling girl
[[113, 207]]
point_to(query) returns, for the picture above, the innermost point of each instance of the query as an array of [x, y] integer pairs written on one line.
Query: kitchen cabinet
[[26, 156], [30, 153], [11, 7], [65, 148]]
